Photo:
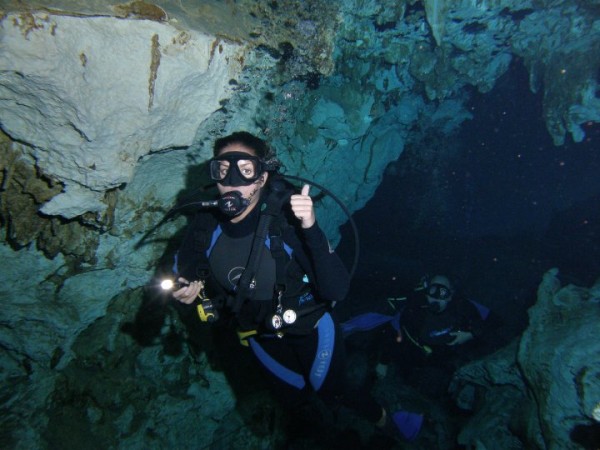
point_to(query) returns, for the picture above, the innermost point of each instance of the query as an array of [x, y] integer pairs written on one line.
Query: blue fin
[[484, 311], [365, 322], [408, 424]]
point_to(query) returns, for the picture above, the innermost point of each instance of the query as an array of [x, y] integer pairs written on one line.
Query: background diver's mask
[[236, 169], [438, 291], [438, 297]]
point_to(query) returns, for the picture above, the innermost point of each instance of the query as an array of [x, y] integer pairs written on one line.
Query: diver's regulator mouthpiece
[[230, 203]]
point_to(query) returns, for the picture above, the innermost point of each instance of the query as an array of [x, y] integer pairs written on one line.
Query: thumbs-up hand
[[302, 207]]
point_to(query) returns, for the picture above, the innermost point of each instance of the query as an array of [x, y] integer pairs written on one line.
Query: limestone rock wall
[[558, 357], [542, 391], [108, 113], [91, 96]]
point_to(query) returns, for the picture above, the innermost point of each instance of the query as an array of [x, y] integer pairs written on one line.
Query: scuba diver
[[260, 261], [428, 327]]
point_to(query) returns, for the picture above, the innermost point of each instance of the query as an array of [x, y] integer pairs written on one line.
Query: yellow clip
[[244, 335], [204, 316]]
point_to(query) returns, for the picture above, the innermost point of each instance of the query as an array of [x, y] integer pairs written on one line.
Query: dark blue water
[[496, 210]]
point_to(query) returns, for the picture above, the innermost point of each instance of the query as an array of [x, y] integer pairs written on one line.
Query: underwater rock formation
[[146, 82], [90, 96], [557, 358], [108, 113], [541, 391]]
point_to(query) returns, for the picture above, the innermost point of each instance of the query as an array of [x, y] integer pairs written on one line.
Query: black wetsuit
[[307, 353], [433, 329], [424, 356]]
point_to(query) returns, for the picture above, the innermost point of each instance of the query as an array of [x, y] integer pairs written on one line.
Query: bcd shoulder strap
[[278, 251], [277, 196]]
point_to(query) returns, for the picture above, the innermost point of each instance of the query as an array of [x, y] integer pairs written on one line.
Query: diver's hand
[[302, 207], [188, 294], [460, 337], [381, 371]]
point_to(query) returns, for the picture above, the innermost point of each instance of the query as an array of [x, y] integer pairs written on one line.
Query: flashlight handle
[[179, 284]]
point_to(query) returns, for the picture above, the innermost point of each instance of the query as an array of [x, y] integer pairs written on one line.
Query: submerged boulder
[[542, 391]]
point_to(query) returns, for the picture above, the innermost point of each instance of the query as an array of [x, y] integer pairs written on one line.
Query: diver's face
[[438, 296], [438, 305], [251, 192]]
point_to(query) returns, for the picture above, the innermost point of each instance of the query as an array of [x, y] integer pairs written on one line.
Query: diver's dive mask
[[236, 169], [438, 291], [438, 297]]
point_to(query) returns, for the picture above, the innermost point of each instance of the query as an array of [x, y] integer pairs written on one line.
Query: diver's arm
[[323, 266], [471, 324], [460, 337], [187, 258], [186, 262], [477, 324]]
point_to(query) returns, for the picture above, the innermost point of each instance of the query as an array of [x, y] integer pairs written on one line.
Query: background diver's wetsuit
[[424, 358], [297, 360], [433, 329]]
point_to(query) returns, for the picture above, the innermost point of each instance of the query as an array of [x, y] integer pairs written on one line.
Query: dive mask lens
[[439, 292], [218, 169], [236, 169]]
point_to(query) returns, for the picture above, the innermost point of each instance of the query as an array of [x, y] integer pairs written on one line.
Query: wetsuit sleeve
[[188, 257], [471, 319], [323, 266]]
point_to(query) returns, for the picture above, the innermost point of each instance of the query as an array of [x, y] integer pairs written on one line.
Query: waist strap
[[244, 336], [321, 363]]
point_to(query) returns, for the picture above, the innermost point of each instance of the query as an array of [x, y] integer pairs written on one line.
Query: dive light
[[168, 285]]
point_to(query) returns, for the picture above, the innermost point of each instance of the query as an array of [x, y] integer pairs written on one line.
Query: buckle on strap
[[244, 335]]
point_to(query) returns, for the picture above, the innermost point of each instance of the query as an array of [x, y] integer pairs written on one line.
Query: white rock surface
[[93, 95]]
